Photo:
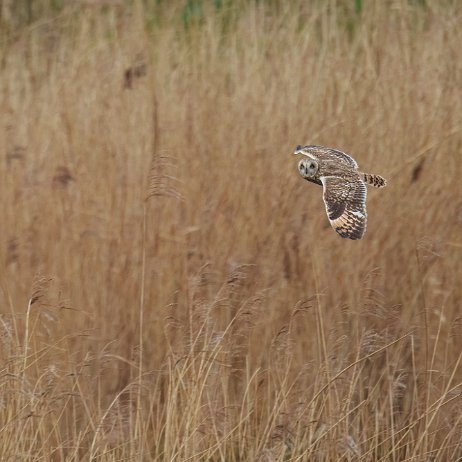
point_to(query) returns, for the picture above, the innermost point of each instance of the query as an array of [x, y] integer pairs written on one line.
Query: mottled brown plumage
[[344, 187]]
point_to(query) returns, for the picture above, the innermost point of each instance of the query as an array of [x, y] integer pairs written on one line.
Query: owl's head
[[308, 168]]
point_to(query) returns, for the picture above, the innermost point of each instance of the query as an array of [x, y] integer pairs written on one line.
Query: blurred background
[[170, 288]]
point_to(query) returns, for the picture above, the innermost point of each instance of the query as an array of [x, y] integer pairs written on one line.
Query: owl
[[344, 187]]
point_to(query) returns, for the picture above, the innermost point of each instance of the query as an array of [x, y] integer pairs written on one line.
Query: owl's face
[[308, 168]]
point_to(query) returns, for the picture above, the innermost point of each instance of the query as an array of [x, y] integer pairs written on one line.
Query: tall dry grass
[[171, 288]]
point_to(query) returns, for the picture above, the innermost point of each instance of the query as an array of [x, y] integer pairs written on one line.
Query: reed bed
[[171, 289]]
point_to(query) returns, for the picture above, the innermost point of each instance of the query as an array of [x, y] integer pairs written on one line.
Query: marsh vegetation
[[170, 288]]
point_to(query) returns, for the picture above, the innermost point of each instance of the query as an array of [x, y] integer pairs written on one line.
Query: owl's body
[[344, 187]]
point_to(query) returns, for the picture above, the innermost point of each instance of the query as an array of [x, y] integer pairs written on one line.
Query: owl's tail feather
[[374, 180]]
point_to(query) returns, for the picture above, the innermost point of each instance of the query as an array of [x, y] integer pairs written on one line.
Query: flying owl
[[344, 187]]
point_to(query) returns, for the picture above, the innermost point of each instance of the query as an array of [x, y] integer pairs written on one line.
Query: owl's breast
[[315, 179]]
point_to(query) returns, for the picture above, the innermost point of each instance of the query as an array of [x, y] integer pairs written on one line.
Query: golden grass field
[[170, 288]]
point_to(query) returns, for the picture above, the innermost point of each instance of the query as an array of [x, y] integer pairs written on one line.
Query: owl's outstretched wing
[[323, 153], [345, 201]]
